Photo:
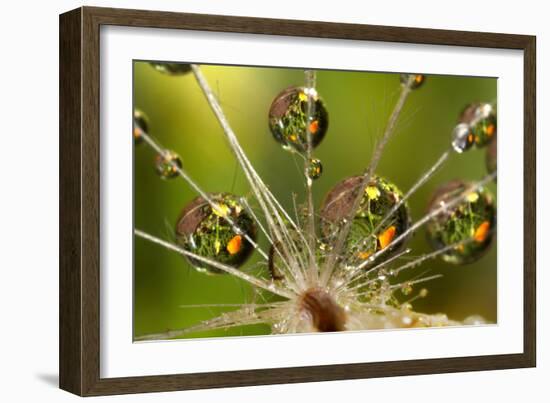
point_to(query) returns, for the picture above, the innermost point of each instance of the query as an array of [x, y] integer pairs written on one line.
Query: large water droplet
[[472, 220], [288, 118], [205, 231], [378, 198]]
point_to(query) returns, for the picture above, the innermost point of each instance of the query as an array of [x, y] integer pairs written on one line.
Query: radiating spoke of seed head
[[367, 175], [248, 314], [418, 281], [432, 255], [268, 286]]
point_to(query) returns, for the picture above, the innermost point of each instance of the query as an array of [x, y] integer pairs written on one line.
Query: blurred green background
[[359, 105]]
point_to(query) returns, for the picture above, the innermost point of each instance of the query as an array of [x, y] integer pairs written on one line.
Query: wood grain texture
[[70, 271], [80, 200]]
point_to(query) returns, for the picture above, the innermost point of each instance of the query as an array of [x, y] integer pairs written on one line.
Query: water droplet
[[481, 118], [463, 139], [413, 80], [314, 168], [471, 220], [141, 125], [406, 288], [378, 199], [423, 293], [475, 320], [202, 230], [288, 119], [167, 164], [173, 69]]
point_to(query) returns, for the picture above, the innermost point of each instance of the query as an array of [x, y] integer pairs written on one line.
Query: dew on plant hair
[[475, 320], [462, 138], [407, 288], [289, 122], [414, 81], [314, 168], [481, 118], [173, 69], [141, 125], [322, 287], [167, 164], [205, 231], [471, 220]]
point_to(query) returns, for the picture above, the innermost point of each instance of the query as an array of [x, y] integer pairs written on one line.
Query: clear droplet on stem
[[141, 125], [167, 164], [173, 69], [481, 118], [314, 168], [463, 139], [414, 81], [406, 288]]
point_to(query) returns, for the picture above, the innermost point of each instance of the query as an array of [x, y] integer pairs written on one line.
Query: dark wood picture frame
[[79, 347]]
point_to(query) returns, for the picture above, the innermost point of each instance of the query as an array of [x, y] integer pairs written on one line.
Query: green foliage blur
[[359, 104]]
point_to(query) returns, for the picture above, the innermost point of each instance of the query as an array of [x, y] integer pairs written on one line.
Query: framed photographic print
[[250, 201]]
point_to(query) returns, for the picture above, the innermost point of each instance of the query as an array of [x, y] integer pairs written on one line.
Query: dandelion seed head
[[336, 270]]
